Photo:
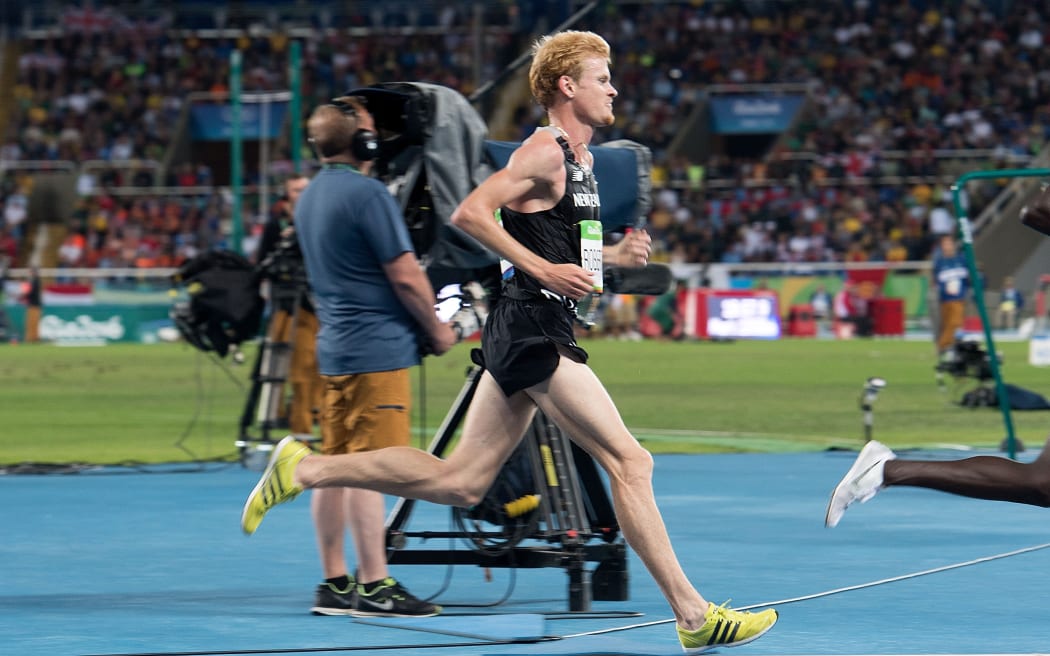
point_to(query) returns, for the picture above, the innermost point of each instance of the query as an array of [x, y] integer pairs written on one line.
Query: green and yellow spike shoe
[[276, 485], [724, 627]]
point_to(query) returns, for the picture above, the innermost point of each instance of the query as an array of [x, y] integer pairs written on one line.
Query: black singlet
[[526, 330]]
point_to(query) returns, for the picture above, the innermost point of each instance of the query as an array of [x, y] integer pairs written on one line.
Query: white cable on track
[[828, 593]]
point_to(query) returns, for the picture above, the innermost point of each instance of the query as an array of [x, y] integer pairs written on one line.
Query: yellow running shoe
[[276, 485], [725, 627]]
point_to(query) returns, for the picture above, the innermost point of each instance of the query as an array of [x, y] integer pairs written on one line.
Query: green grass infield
[[131, 403]]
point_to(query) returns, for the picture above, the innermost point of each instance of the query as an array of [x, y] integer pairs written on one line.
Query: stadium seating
[[902, 98]]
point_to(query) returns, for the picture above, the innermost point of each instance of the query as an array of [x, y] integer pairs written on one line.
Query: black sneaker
[[329, 600], [389, 599]]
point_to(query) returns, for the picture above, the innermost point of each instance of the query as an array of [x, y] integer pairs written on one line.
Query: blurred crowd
[[863, 174], [912, 77]]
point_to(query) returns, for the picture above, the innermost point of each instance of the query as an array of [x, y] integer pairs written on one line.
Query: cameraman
[[375, 304], [952, 278], [281, 261]]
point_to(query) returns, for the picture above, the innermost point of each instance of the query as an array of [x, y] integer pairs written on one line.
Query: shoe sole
[[330, 612], [368, 613], [270, 466], [853, 473], [700, 650]]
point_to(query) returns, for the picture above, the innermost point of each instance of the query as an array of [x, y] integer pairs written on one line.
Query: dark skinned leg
[[981, 477]]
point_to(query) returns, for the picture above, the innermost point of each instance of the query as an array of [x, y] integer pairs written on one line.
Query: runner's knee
[[633, 466]]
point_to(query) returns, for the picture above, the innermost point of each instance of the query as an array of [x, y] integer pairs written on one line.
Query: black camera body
[[285, 268], [966, 359]]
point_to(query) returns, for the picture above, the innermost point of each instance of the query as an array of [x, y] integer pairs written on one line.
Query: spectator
[[621, 317], [952, 278], [665, 311], [33, 300], [851, 312], [821, 302], [1011, 302], [941, 220], [5, 326]]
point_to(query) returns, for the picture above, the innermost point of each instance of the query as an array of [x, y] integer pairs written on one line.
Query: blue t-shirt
[[348, 227], [952, 277]]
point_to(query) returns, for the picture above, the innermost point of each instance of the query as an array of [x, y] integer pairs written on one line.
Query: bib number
[[591, 251]]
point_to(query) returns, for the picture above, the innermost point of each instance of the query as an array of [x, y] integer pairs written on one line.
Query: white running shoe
[[860, 483]]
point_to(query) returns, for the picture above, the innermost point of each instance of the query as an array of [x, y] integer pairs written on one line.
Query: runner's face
[[595, 93]]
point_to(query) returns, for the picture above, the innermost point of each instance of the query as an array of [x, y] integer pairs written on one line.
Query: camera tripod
[[572, 515], [266, 404]]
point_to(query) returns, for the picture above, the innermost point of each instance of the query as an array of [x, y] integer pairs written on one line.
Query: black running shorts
[[521, 341]]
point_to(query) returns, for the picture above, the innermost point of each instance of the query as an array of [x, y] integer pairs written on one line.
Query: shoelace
[[719, 609]]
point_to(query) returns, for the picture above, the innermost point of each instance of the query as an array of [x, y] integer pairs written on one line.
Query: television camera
[[966, 359], [285, 268]]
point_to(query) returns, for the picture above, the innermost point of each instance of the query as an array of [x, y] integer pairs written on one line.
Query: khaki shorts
[[365, 412], [953, 316]]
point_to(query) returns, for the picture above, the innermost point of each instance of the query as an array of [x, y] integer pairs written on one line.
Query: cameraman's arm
[[414, 291], [631, 251]]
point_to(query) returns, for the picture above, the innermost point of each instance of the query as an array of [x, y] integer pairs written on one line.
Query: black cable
[[229, 374], [511, 585], [202, 398], [513, 535], [449, 568], [196, 412], [492, 604]]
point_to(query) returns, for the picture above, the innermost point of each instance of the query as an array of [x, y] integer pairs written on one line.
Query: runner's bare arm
[[533, 180]]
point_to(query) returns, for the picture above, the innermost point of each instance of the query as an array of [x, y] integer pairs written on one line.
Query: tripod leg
[[252, 402], [548, 468], [563, 504], [579, 586], [273, 374], [269, 374], [600, 513]]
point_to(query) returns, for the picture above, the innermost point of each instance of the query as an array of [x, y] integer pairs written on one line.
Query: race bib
[[591, 251]]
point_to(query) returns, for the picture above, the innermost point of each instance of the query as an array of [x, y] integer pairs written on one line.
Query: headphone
[[364, 145]]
